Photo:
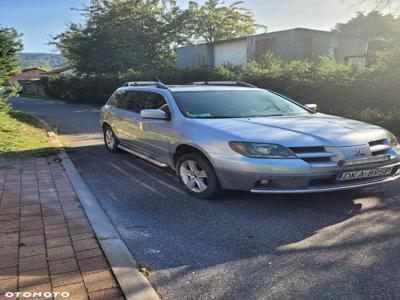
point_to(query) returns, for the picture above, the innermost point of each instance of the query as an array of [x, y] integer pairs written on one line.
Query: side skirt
[[153, 161]]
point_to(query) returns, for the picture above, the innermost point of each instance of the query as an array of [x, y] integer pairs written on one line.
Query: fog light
[[264, 182]]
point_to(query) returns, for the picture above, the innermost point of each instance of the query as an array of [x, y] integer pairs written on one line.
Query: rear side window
[[129, 100], [135, 101]]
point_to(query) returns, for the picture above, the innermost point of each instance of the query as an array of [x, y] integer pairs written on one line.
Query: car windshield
[[235, 104]]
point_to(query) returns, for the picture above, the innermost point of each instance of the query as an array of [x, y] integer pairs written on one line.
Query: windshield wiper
[[216, 117], [247, 117], [224, 117], [237, 117]]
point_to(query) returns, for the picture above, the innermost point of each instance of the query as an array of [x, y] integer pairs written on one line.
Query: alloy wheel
[[110, 140], [193, 176]]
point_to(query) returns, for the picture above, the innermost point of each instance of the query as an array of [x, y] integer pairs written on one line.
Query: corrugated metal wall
[[231, 53], [301, 44], [278, 44], [194, 57], [295, 44]]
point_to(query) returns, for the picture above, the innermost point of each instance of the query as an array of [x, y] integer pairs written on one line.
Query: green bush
[[388, 119]]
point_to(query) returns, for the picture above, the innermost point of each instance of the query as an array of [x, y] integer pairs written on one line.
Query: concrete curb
[[133, 283]]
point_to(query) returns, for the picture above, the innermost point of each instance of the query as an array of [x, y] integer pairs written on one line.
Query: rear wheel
[[197, 175], [110, 140]]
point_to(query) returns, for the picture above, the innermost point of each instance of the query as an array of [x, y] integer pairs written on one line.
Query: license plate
[[354, 175]]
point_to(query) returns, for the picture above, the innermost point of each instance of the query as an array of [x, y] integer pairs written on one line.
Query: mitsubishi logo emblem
[[359, 153]]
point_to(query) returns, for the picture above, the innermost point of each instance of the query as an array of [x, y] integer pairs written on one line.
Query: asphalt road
[[324, 246]]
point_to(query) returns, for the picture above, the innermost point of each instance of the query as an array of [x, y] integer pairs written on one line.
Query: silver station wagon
[[232, 135]]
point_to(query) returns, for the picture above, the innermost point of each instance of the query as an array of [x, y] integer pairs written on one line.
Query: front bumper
[[295, 176], [322, 189]]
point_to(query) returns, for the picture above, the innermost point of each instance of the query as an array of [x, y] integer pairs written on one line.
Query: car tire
[[197, 176], [110, 139]]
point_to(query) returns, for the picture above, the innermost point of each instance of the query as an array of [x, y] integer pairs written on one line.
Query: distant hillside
[[44, 60]]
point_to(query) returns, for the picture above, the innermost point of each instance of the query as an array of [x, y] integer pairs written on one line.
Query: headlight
[[261, 150], [393, 140]]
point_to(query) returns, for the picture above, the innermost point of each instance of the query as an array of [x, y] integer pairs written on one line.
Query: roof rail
[[234, 83], [158, 84]]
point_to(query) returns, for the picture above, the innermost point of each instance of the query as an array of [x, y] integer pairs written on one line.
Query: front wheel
[[110, 140], [197, 175]]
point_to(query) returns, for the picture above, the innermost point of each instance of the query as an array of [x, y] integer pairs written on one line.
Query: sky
[[37, 20]]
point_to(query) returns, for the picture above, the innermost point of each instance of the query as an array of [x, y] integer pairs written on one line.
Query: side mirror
[[313, 107], [153, 114]]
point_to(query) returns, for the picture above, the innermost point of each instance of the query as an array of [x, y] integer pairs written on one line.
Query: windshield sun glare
[[235, 104]]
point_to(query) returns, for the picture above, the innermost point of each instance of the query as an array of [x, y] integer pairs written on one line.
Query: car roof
[[190, 88]]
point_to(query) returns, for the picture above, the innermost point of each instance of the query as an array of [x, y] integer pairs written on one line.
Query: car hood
[[294, 131]]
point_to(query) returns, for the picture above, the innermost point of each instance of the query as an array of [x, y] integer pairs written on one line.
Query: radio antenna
[[158, 79]]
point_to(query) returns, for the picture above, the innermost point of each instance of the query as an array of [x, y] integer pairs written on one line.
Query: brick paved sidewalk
[[46, 242]]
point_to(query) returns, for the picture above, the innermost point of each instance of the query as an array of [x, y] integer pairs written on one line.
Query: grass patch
[[21, 135]]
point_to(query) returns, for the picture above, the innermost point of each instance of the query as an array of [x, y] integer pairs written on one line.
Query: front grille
[[395, 170], [313, 154], [379, 152], [317, 159], [378, 142], [307, 149], [379, 147]]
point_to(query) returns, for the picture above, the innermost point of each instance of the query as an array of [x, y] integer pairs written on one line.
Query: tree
[[214, 21], [121, 35], [10, 46], [373, 26], [382, 32]]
